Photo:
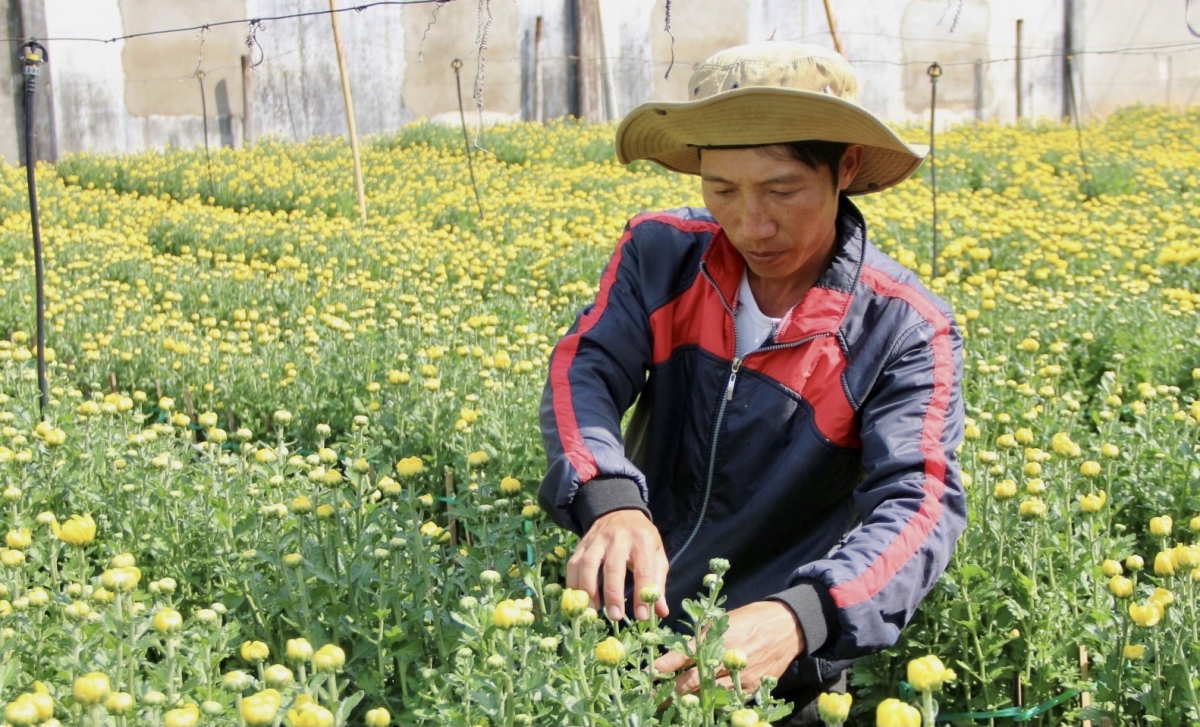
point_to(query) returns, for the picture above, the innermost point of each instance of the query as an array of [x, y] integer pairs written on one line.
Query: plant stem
[[928, 709]]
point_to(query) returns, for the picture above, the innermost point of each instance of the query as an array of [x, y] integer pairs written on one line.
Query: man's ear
[[849, 166]]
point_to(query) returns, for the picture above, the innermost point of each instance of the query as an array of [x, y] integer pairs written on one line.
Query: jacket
[[822, 466]]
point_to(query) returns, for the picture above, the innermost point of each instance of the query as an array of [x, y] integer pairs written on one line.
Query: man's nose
[[757, 222]]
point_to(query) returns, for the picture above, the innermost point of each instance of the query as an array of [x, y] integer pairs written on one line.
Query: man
[[797, 392]]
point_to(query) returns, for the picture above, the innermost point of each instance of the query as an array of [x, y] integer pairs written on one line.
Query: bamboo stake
[[837, 40], [450, 525], [1085, 697], [341, 56]]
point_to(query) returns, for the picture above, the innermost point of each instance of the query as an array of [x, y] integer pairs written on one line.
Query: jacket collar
[[823, 307]]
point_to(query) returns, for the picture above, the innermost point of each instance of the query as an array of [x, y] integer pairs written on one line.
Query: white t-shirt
[[753, 327]]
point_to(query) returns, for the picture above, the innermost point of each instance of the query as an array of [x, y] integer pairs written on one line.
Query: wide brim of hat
[[670, 133]]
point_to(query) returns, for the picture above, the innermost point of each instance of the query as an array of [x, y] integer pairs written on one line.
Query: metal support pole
[[1020, 106], [212, 187], [247, 102], [33, 55], [935, 72], [979, 90], [456, 66], [1068, 100]]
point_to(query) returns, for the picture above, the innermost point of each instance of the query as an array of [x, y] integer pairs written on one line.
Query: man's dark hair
[[815, 154]]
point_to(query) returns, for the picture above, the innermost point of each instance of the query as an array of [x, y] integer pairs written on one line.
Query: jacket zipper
[[725, 399]]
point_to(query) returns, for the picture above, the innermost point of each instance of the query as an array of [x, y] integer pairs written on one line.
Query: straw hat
[[770, 92]]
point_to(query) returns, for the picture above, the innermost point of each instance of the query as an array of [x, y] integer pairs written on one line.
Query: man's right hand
[[622, 540]]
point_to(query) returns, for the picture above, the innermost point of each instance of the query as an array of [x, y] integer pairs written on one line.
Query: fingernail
[[642, 612], [614, 613]]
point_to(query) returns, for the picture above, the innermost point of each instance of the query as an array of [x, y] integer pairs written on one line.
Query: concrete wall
[[547, 58]]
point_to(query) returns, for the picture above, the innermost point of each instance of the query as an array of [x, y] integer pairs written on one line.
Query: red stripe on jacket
[[574, 448], [817, 377], [698, 318], [918, 528], [695, 318]]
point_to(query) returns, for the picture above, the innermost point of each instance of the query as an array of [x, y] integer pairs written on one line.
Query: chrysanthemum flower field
[[287, 473]]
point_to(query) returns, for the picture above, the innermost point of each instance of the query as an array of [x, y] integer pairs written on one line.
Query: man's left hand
[[766, 630]]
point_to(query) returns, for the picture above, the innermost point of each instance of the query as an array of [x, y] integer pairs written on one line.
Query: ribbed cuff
[[815, 612], [604, 495]]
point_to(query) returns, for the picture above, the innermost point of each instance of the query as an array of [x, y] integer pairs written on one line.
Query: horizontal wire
[[243, 21], [1188, 46]]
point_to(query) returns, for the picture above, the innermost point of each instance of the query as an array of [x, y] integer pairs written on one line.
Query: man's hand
[[766, 630], [619, 541]]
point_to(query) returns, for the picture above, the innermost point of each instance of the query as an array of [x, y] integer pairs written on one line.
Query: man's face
[[778, 212]]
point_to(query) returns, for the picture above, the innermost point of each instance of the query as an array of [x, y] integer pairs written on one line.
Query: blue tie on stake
[[1018, 714]]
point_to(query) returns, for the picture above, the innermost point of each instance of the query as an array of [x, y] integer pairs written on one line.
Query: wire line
[[243, 21]]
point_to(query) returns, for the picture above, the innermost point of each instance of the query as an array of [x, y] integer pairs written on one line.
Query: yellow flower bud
[[574, 602], [1162, 564], [329, 658], [91, 688], [833, 708], [21, 712], [167, 620], [1091, 503], [1120, 586], [19, 539], [260, 710], [311, 715], [1135, 563], [78, 530], [299, 649], [1134, 652], [744, 718], [1111, 568], [610, 652], [378, 717], [927, 674], [510, 485], [410, 466], [434, 532], [649, 594], [1162, 597], [1161, 526], [186, 716], [254, 651], [1090, 468], [12, 558], [1033, 507], [891, 712], [734, 659], [278, 676], [1004, 490], [1062, 445], [1185, 557], [236, 681], [506, 614], [1146, 614]]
